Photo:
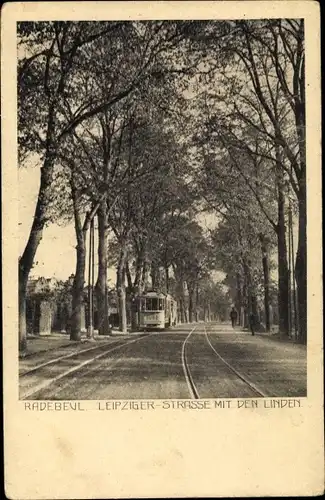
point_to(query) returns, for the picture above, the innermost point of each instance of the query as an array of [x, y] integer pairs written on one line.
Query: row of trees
[[252, 149], [145, 124]]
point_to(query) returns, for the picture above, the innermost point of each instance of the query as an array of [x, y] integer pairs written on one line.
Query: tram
[[156, 310]]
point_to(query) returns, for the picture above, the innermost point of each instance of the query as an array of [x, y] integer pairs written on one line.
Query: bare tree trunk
[[128, 277], [22, 313], [209, 312], [78, 289], [167, 277], [145, 275], [239, 297], [79, 278], [101, 285], [35, 236], [190, 304], [301, 267], [138, 274], [182, 304], [120, 288], [154, 275], [197, 303], [266, 279], [283, 271], [184, 310]]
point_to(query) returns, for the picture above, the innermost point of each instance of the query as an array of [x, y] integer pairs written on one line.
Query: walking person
[[252, 323], [233, 316]]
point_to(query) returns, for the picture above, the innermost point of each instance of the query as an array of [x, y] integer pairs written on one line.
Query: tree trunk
[[190, 304], [101, 285], [184, 310], [239, 297], [78, 290], [266, 280], [251, 292], [181, 295], [167, 277], [128, 277], [246, 294], [79, 278], [197, 302], [35, 236], [301, 267], [145, 275], [209, 312], [22, 312], [255, 311], [137, 286], [154, 275], [283, 272], [120, 288]]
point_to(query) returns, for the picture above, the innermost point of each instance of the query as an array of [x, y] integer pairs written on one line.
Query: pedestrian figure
[[252, 323], [233, 316]]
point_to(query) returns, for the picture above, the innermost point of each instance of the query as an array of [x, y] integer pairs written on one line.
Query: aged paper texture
[[200, 408]]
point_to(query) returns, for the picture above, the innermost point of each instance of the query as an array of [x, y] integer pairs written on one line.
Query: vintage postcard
[[161, 182]]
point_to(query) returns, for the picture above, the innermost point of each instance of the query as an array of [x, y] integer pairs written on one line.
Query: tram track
[[187, 372], [250, 384], [77, 352], [199, 376], [31, 355], [46, 383], [191, 385]]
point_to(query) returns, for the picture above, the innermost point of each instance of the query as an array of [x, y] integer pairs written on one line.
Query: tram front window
[[161, 304], [153, 304]]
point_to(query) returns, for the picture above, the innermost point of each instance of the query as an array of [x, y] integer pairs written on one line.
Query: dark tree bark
[[120, 288], [22, 312], [154, 275], [145, 274], [128, 277], [35, 237], [283, 271], [79, 278], [251, 294], [197, 302], [246, 293], [101, 285], [190, 303], [167, 277], [137, 286], [239, 297], [266, 280], [301, 267]]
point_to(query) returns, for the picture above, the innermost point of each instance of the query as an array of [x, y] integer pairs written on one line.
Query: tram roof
[[152, 293]]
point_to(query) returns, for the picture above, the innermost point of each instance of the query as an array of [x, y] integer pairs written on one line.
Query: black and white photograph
[[164, 217], [162, 209]]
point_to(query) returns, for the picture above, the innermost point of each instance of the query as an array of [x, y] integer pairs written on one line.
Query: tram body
[[156, 310]]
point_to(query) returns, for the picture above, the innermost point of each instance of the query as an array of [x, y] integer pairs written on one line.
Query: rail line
[[31, 355], [73, 369], [239, 375], [65, 356], [187, 373]]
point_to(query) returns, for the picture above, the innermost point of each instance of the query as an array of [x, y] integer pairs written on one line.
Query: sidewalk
[[275, 335]]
